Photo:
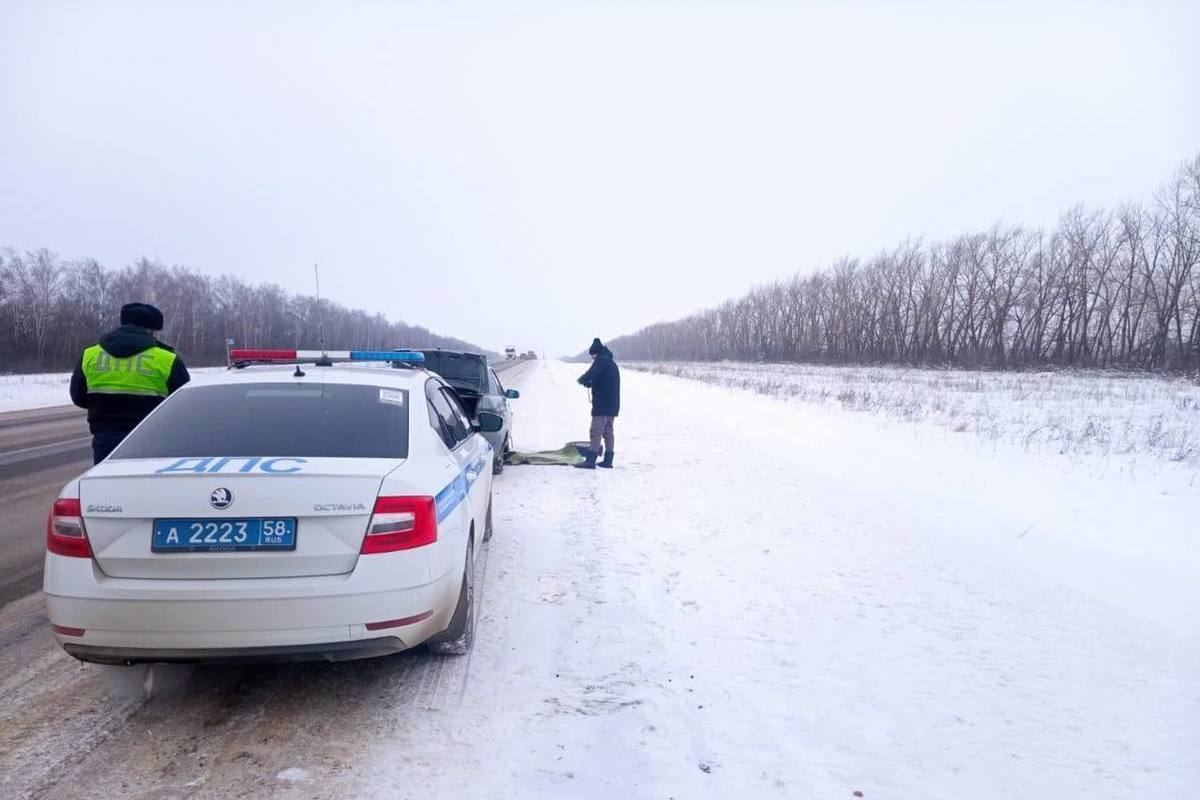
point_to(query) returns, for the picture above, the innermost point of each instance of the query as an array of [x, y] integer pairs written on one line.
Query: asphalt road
[[501, 366], [40, 450]]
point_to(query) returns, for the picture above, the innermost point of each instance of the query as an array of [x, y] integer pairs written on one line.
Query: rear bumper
[[329, 651], [131, 620]]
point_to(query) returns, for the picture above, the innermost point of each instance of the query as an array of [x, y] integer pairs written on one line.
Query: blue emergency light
[[410, 356]]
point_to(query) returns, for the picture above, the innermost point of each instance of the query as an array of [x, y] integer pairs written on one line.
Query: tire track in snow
[[219, 731], [55, 711]]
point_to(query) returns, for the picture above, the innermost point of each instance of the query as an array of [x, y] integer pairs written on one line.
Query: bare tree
[[51, 309], [1101, 289]]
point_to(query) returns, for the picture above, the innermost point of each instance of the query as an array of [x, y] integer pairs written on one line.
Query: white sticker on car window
[[393, 396]]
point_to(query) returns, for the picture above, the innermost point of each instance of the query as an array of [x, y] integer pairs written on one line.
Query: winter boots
[[589, 460]]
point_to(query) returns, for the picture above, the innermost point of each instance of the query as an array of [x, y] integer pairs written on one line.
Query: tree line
[[50, 309], [1104, 288]]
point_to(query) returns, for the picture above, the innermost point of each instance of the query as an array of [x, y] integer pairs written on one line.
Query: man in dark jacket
[[124, 376], [604, 379]]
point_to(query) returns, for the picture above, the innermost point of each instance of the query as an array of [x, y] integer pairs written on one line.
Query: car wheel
[[458, 637], [487, 523], [498, 461]]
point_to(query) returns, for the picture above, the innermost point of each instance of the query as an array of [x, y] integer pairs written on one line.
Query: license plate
[[223, 535]]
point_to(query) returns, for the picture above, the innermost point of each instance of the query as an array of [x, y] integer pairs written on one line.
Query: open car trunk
[[470, 401], [465, 372]]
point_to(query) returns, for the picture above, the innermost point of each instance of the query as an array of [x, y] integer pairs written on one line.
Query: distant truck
[[510, 353]]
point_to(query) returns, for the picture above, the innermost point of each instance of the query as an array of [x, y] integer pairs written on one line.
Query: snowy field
[[44, 389], [772, 600], [39, 390], [1077, 413], [765, 599]]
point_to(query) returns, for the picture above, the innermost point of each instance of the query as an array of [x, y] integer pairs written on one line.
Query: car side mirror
[[512, 394], [490, 423]]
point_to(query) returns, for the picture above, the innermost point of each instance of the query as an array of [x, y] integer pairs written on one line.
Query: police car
[[305, 505]]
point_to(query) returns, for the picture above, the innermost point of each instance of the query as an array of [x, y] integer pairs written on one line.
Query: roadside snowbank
[[1085, 412], [39, 390], [45, 389]]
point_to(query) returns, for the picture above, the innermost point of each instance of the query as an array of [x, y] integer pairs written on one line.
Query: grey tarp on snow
[[564, 456]]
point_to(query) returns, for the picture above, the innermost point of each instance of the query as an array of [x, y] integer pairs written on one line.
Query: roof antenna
[[324, 360]]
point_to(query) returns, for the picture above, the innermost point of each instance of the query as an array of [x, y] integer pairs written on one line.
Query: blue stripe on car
[[456, 490], [449, 498]]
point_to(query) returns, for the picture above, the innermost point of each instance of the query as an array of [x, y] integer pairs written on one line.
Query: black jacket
[[604, 379], [120, 413]]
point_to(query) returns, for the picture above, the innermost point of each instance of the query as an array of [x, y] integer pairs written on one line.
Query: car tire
[[488, 530], [458, 637], [498, 461]]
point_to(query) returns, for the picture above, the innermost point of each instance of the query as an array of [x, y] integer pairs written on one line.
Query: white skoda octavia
[[319, 510]]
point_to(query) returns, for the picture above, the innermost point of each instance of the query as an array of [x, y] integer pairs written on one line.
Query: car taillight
[[65, 535], [400, 523]]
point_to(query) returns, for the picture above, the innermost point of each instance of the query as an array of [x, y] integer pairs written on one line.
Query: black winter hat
[[596, 348], [143, 315]]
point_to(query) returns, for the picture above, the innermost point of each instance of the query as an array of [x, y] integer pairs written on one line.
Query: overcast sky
[[552, 172]]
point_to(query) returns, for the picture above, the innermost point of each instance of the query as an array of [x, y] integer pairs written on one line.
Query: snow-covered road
[[762, 600]]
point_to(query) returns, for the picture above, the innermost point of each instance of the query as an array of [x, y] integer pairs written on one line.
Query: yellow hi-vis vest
[[144, 374]]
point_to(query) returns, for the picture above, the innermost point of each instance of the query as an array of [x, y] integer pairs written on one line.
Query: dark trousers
[[104, 442], [602, 428]]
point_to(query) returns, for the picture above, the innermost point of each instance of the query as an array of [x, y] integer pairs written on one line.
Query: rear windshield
[[456, 368], [275, 419]]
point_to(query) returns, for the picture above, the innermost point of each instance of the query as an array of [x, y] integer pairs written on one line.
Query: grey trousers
[[602, 427]]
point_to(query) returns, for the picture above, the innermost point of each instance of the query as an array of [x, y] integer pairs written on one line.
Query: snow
[[770, 599], [45, 389], [20, 392], [295, 775], [1084, 412], [771, 596]]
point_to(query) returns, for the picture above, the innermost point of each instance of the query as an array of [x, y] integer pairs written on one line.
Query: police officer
[[124, 376]]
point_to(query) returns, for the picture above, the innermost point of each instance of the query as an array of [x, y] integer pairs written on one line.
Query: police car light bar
[[244, 355]]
